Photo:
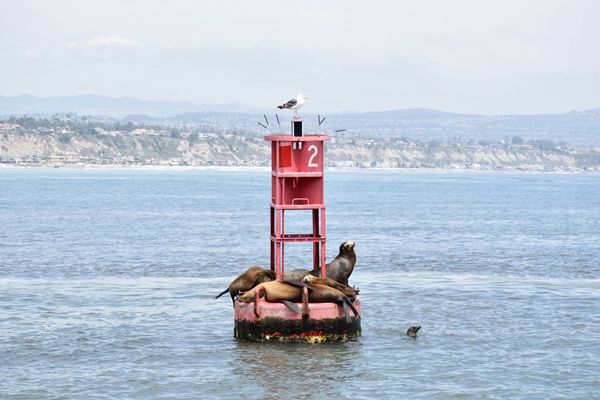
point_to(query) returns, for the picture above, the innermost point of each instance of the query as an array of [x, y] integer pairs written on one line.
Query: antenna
[[321, 120], [277, 116], [266, 120]]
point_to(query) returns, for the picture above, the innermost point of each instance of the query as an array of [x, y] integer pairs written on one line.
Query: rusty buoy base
[[266, 322]]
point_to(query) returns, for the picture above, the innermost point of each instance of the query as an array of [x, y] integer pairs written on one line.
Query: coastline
[[120, 167]]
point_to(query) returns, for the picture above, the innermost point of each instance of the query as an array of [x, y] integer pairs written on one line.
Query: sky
[[484, 57]]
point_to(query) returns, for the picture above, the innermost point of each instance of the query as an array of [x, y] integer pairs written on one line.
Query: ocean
[[108, 278]]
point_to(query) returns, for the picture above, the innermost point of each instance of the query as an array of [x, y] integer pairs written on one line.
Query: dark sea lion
[[277, 292], [342, 266], [295, 274], [327, 294], [314, 280], [253, 276], [412, 331]]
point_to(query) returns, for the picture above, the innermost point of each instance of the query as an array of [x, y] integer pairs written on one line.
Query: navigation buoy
[[297, 178]]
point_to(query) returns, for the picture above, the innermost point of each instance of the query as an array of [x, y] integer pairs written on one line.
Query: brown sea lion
[[327, 294], [412, 331], [342, 266], [276, 292], [250, 278], [348, 291]]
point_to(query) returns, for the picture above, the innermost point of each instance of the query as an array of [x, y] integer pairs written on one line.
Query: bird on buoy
[[412, 331], [294, 104]]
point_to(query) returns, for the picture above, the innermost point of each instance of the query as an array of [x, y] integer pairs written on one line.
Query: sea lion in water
[[314, 280], [412, 331], [253, 276], [342, 265], [277, 292]]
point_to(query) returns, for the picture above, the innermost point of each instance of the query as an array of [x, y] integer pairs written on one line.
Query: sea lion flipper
[[349, 303], [222, 293], [291, 306], [346, 314]]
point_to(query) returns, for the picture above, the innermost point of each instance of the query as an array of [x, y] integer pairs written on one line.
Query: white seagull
[[294, 104]]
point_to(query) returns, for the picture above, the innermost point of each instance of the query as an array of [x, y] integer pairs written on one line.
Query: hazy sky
[[465, 56]]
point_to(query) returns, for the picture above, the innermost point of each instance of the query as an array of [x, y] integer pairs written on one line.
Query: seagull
[[294, 104]]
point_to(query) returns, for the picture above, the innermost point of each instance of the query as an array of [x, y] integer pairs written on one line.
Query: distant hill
[[577, 127], [411, 113], [581, 128], [89, 104], [28, 141]]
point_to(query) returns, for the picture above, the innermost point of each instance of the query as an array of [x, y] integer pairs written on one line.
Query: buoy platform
[[297, 183], [263, 321]]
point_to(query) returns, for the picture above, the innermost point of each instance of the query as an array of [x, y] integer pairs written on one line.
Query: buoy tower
[[297, 183]]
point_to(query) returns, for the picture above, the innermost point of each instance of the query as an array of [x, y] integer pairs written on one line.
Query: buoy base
[[274, 322]]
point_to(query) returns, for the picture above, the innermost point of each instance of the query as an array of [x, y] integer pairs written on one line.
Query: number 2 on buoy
[[315, 151]]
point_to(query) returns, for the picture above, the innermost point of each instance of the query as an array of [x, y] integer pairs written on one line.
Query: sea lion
[[326, 294], [295, 274], [314, 280], [342, 265], [412, 331], [277, 292], [250, 278]]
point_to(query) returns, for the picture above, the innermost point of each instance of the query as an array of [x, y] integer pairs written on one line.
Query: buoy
[[297, 183]]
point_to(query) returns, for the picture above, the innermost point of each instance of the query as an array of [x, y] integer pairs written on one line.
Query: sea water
[[108, 278]]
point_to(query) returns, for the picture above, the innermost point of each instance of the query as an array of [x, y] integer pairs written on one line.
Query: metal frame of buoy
[[297, 183]]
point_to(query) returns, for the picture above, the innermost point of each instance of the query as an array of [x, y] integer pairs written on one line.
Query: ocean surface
[[108, 278]]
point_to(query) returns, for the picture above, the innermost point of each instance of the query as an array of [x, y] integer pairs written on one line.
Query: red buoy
[[297, 183]]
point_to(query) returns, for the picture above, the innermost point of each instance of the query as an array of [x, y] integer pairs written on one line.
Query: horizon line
[[261, 109]]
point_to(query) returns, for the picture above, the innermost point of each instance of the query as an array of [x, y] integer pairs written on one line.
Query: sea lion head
[[247, 297], [347, 247], [412, 331], [308, 278], [250, 295]]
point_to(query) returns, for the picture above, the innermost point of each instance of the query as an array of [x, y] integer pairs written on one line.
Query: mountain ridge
[[111, 106], [29, 104], [575, 127]]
